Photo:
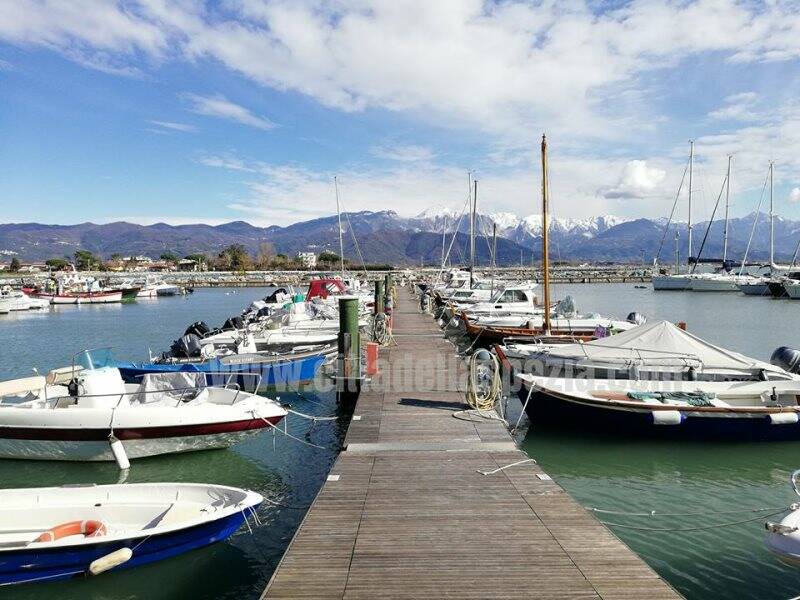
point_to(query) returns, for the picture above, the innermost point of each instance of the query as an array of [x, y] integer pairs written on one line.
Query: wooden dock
[[407, 513]]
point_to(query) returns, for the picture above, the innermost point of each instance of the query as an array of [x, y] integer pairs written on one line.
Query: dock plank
[[412, 516]]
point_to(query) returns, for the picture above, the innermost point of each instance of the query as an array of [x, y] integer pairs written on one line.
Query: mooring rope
[[698, 527], [654, 513]]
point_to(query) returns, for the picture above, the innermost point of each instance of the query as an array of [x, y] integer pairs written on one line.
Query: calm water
[[279, 468], [612, 474]]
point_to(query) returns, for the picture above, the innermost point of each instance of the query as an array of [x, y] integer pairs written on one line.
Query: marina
[[399, 300]]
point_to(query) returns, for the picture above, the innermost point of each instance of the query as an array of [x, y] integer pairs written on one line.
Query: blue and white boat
[[271, 370], [56, 533]]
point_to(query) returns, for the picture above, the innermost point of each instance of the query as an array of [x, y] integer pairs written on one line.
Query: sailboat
[[722, 280], [678, 281], [559, 326]]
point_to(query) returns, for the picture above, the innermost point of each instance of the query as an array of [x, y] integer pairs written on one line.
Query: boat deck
[[407, 513]]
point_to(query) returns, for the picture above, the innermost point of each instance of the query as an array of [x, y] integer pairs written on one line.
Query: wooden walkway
[[405, 512]]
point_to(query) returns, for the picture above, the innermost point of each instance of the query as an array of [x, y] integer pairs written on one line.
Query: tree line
[[231, 258]]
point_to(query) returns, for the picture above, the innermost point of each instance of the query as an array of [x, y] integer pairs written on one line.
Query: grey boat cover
[[657, 344]]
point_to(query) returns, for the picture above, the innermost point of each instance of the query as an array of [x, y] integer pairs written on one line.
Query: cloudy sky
[[179, 111]]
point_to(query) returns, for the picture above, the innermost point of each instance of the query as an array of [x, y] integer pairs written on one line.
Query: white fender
[[667, 417], [783, 418], [119, 453], [109, 561]]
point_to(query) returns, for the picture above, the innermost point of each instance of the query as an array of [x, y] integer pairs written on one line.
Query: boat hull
[[27, 566], [547, 410], [671, 283], [83, 444], [754, 289], [714, 285]]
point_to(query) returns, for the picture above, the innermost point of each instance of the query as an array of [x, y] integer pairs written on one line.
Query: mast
[[727, 207], [677, 251], [339, 216], [545, 257], [691, 168], [494, 253], [472, 232], [771, 216]]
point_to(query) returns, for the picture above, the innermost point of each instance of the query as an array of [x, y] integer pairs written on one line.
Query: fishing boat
[[733, 410], [55, 533], [78, 412]]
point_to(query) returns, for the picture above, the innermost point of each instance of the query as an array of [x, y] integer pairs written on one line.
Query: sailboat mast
[[545, 257], [727, 207], [771, 216], [472, 232], [339, 217], [691, 169], [494, 254]]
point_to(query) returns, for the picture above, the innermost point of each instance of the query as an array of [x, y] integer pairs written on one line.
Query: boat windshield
[[94, 359]]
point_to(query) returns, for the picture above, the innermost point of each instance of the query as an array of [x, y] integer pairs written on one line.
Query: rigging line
[[355, 241], [755, 222], [710, 223], [455, 233], [671, 215]]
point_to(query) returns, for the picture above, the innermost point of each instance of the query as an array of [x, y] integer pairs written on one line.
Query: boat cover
[[657, 344]]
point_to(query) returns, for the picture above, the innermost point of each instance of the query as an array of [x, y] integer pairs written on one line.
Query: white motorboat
[[511, 299], [54, 533], [5, 306], [74, 412]]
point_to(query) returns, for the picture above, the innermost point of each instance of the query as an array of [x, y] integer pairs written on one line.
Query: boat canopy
[[657, 343]]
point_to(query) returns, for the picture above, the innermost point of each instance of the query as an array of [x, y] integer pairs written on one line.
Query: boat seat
[[17, 387]]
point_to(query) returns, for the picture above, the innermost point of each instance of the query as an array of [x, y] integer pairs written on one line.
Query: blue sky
[[245, 109]]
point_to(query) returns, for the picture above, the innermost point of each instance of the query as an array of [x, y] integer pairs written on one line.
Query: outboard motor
[[636, 318], [233, 323], [186, 347], [198, 328], [786, 358]]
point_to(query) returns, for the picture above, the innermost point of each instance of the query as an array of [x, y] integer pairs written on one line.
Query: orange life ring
[[89, 528]]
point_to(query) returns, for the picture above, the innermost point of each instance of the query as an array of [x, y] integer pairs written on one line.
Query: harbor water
[[610, 473]]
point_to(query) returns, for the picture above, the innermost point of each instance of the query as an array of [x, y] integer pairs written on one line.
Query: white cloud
[[737, 107], [496, 66], [172, 126], [637, 181], [284, 194], [794, 195], [403, 153], [221, 107]]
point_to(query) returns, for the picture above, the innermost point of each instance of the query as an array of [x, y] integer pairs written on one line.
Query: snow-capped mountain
[[522, 230]]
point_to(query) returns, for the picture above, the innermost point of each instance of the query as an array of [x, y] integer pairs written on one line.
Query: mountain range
[[386, 237]]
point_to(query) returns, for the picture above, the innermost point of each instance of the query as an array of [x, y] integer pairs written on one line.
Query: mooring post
[[349, 371], [388, 304], [380, 298]]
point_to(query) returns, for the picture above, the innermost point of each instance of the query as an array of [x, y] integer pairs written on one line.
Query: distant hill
[[386, 237]]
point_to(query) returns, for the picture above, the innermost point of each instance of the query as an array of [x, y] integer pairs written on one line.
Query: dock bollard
[[349, 367], [388, 304]]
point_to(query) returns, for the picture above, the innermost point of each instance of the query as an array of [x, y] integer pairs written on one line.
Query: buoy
[[109, 561], [119, 453]]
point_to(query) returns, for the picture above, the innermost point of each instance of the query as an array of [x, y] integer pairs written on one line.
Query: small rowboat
[[55, 533]]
